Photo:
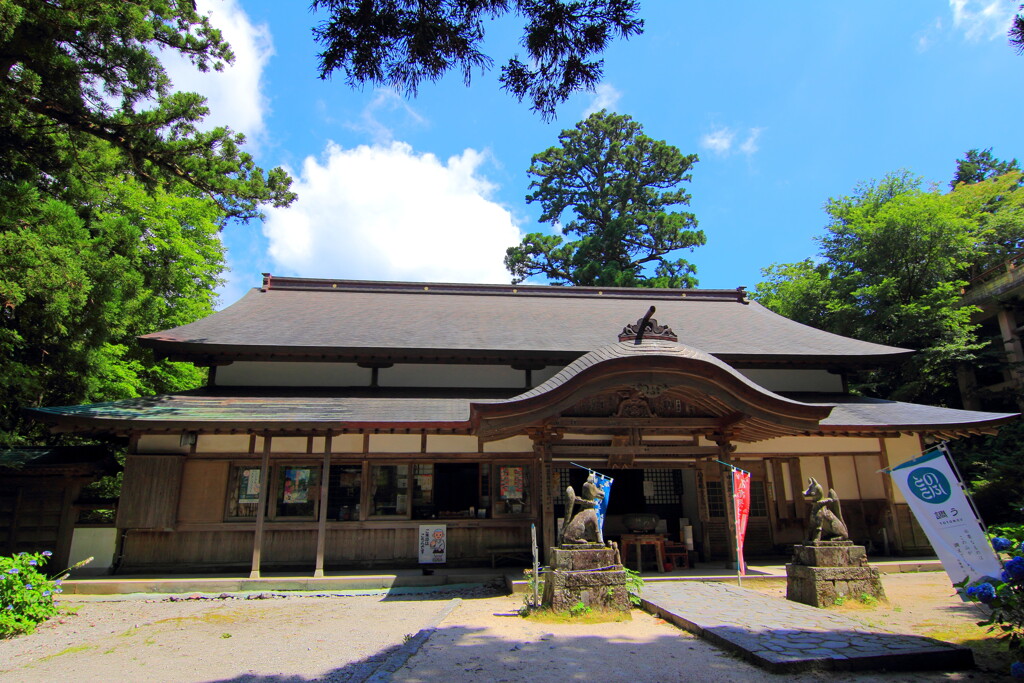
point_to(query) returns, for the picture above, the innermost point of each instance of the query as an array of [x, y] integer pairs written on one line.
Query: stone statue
[[584, 527], [826, 514]]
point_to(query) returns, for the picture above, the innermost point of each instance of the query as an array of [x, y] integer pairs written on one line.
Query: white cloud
[[235, 95], [605, 97], [722, 141], [388, 213], [385, 101], [719, 140], [749, 145], [929, 35], [983, 19]]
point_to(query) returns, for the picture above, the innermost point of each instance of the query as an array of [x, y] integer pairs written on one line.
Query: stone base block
[[830, 554], [821, 586], [587, 575], [575, 559]]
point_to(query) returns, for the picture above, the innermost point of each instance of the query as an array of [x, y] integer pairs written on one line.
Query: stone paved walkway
[[785, 637]]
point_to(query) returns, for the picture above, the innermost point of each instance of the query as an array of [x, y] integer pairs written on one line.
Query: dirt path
[[478, 638]]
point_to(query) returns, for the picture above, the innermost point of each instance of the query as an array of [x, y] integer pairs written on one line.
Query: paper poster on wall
[[296, 485], [511, 483], [249, 485], [433, 544]]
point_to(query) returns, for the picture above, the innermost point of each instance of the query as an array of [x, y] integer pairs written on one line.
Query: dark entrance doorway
[[651, 490]]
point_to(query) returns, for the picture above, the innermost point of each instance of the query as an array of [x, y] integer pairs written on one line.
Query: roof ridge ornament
[[647, 327]]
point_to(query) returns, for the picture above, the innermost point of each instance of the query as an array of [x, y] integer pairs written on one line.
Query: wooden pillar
[[261, 508], [66, 530], [548, 532], [12, 530], [321, 527], [896, 541], [725, 450]]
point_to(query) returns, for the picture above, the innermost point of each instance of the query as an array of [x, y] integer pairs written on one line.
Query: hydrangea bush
[[1004, 595], [26, 593]]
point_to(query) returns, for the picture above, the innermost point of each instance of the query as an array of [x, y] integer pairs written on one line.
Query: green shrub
[[1004, 596], [26, 593]]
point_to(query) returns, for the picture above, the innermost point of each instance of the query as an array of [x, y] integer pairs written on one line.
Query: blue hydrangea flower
[[32, 563], [45, 593], [1015, 568], [28, 586], [13, 570], [985, 592], [47, 553], [1016, 669], [1000, 544]]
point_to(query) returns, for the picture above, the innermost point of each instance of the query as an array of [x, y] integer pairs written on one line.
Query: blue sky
[[787, 104]]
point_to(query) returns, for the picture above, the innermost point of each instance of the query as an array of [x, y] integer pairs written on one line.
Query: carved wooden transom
[[640, 400]]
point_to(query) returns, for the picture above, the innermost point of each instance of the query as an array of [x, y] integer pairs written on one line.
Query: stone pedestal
[[589, 574], [825, 570]]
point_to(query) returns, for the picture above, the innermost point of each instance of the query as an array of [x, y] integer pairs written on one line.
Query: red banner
[[741, 503]]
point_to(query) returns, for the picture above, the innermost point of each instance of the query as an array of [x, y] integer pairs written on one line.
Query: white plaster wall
[[796, 380], [811, 444], [444, 375], [297, 374], [871, 480], [226, 443], [844, 476], [813, 467], [160, 443], [95, 542], [900, 450], [347, 443], [452, 443], [515, 444], [395, 443]]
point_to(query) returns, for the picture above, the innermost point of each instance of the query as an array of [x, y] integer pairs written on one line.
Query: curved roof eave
[[747, 410]]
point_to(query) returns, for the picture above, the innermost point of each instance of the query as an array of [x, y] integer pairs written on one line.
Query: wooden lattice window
[[662, 487], [758, 499], [716, 499]]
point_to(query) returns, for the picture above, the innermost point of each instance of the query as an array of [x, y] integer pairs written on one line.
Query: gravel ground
[[478, 637]]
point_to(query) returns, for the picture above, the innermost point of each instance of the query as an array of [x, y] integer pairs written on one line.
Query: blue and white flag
[[605, 484], [938, 501]]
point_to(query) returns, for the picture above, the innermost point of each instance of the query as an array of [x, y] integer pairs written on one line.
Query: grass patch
[[218, 617], [66, 651], [594, 616]]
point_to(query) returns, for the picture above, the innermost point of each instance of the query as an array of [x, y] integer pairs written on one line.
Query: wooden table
[[640, 540]]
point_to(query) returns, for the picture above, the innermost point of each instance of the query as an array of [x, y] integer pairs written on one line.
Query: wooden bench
[[509, 553]]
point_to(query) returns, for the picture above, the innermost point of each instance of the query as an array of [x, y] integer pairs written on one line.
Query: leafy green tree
[[81, 276], [891, 268], [620, 186], [400, 43], [977, 166], [996, 205], [75, 72]]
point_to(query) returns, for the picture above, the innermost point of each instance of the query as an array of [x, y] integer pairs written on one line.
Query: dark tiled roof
[[58, 460], [645, 349], [337, 318], [860, 412], [231, 412], [176, 412]]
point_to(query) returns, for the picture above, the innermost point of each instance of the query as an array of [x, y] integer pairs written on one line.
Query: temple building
[[339, 416]]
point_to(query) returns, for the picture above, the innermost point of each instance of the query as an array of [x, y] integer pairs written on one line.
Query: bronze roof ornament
[[647, 327]]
